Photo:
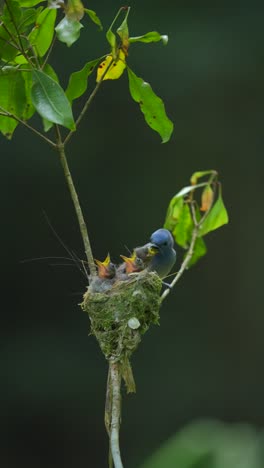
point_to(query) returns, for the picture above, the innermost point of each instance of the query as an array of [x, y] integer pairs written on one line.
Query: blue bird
[[163, 261]]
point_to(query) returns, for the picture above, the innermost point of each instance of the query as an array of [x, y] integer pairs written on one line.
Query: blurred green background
[[206, 358]]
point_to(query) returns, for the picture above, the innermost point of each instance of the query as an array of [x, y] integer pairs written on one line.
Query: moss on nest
[[120, 316]]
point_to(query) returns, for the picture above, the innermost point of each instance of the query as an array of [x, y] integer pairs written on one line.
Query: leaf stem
[[184, 264], [75, 199], [115, 373], [5, 113], [88, 103]]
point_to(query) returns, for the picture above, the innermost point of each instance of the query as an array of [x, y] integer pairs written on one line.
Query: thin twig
[[16, 28], [76, 203], [88, 103], [116, 412], [49, 52], [184, 264], [5, 113]]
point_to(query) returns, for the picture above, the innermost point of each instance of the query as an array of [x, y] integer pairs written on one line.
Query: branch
[[189, 254], [184, 264], [88, 103], [115, 376], [76, 203], [5, 113], [108, 413]]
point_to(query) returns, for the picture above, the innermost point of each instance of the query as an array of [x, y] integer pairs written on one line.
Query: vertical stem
[[108, 414], [115, 373], [76, 203]]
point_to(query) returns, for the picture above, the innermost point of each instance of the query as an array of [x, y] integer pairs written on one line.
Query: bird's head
[[133, 263], [106, 269], [161, 240]]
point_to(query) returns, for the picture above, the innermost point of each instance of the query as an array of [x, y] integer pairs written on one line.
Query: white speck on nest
[[133, 323]]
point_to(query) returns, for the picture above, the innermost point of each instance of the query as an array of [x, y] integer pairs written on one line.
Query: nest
[[119, 317]]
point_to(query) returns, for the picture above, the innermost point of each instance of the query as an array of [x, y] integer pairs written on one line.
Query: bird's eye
[[165, 243]]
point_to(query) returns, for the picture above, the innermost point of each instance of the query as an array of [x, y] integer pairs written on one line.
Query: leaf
[[173, 213], [52, 74], [207, 198], [199, 251], [209, 444], [216, 218], [183, 228], [68, 30], [151, 106], [7, 51], [29, 17], [42, 34], [197, 175], [11, 13], [13, 100], [189, 188], [115, 70], [50, 100], [123, 32], [152, 36], [78, 81], [93, 16], [29, 108], [74, 9], [110, 36], [29, 3]]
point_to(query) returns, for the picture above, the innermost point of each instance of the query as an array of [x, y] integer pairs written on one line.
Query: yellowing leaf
[[74, 9], [207, 198], [115, 70]]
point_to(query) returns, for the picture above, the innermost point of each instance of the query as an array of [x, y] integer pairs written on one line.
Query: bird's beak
[[129, 260], [153, 249], [103, 266]]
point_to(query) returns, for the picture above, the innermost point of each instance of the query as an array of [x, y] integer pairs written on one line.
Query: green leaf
[[29, 16], [110, 36], [78, 81], [182, 231], [29, 108], [7, 51], [13, 100], [173, 213], [93, 16], [151, 106], [123, 31], [209, 444], [12, 12], [8, 31], [7, 69], [42, 34], [216, 217], [198, 174], [50, 100], [152, 36], [50, 72], [68, 30], [29, 3], [199, 251]]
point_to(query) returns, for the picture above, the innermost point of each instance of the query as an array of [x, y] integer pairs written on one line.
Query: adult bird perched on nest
[[165, 257]]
